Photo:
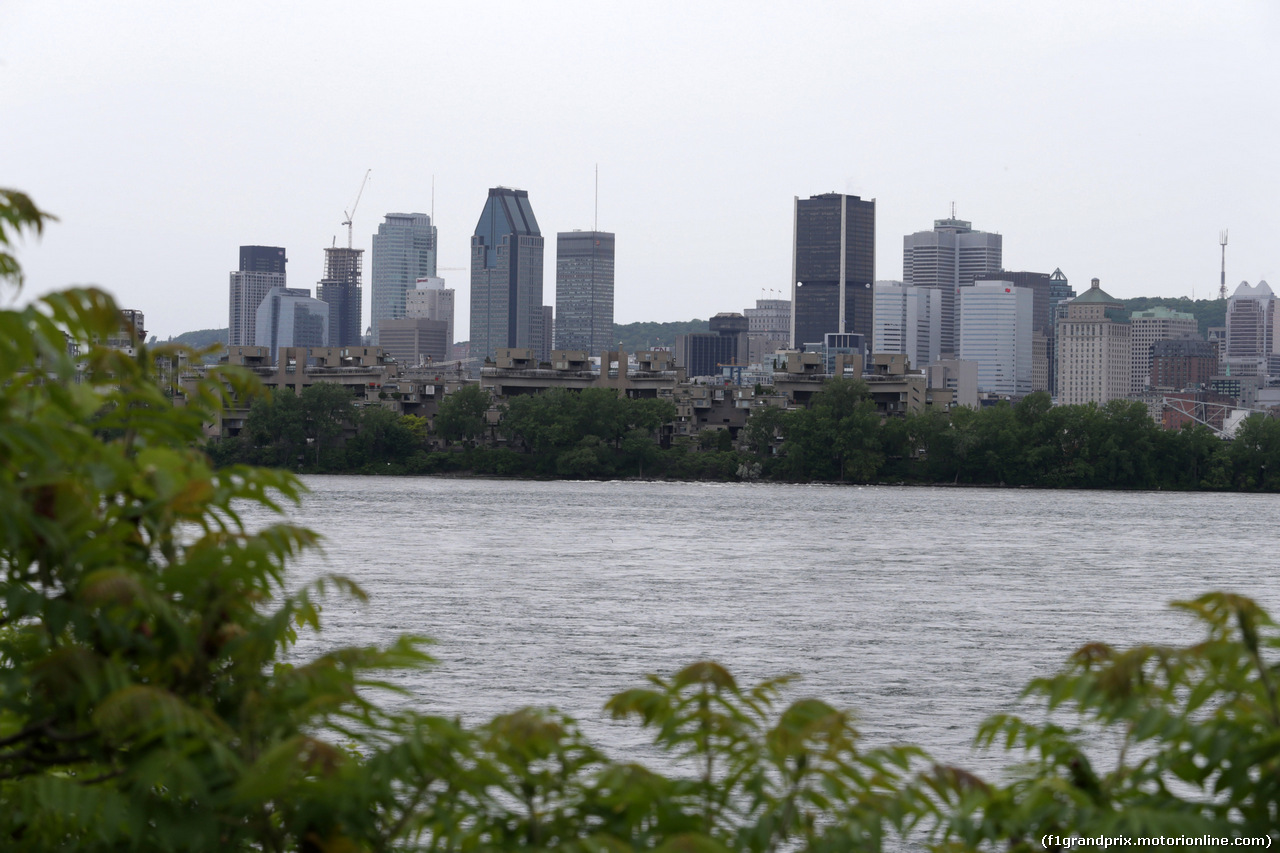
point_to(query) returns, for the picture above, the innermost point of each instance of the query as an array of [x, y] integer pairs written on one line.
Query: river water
[[923, 609]]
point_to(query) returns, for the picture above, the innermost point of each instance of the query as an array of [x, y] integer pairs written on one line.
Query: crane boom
[[351, 215]]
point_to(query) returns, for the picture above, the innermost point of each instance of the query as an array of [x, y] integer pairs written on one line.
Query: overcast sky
[[1109, 139]]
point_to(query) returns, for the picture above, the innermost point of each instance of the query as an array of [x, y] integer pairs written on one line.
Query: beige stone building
[[1094, 349]]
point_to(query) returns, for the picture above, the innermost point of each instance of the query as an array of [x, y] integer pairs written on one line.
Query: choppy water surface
[[924, 609]]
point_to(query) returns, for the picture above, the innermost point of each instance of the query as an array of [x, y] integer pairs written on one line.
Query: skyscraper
[[261, 268], [949, 257], [833, 265], [341, 288], [506, 275], [908, 320], [289, 317], [996, 324], [1094, 352], [584, 291], [1251, 322], [431, 300], [404, 250]]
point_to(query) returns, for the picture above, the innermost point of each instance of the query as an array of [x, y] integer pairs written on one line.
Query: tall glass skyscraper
[[506, 276], [584, 291], [832, 268], [404, 250]]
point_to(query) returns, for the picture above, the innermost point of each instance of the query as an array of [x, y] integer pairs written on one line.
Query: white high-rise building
[[261, 268], [1251, 338], [431, 300], [1147, 327], [995, 332], [907, 320], [404, 250], [949, 257]]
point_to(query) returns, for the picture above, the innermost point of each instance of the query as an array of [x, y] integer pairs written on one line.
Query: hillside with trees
[[1208, 312], [635, 337]]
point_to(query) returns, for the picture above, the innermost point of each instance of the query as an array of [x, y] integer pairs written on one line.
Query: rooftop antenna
[[347, 221], [953, 210], [433, 199], [1222, 241], [595, 226]]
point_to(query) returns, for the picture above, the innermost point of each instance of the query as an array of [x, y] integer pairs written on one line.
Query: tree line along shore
[[838, 438]]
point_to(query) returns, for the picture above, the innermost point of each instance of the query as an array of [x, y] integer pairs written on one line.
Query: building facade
[[1250, 337], [1094, 350], [706, 353], [584, 291], [995, 333], [1147, 327], [947, 258], [908, 320], [833, 267], [289, 317], [1178, 364], [506, 276], [341, 288], [261, 268], [430, 299], [404, 250], [414, 341]]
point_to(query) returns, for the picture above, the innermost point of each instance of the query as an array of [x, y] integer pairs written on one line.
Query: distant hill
[[1208, 312], [203, 339], [638, 336]]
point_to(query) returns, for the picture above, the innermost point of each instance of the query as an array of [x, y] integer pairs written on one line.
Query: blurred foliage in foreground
[[148, 700]]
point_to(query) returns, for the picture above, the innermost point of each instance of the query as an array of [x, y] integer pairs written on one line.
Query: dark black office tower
[[341, 288], [262, 259], [832, 268]]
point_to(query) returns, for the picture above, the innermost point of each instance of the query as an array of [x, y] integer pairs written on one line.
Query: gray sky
[[1109, 139]]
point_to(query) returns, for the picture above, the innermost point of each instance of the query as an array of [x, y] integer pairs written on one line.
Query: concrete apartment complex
[[1095, 356], [404, 250]]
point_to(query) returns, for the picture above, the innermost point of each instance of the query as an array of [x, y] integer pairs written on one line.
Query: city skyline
[[1120, 126]]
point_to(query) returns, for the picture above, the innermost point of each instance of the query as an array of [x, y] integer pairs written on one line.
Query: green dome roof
[[1095, 294]]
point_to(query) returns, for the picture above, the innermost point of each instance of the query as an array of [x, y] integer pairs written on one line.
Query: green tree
[[837, 436], [1255, 454], [277, 429], [764, 427], [18, 213], [327, 410], [461, 416], [1149, 741], [142, 703]]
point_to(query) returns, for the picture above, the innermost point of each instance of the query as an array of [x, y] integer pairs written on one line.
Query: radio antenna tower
[[1222, 241]]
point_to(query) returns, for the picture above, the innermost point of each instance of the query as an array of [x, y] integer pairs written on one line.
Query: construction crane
[[351, 215]]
